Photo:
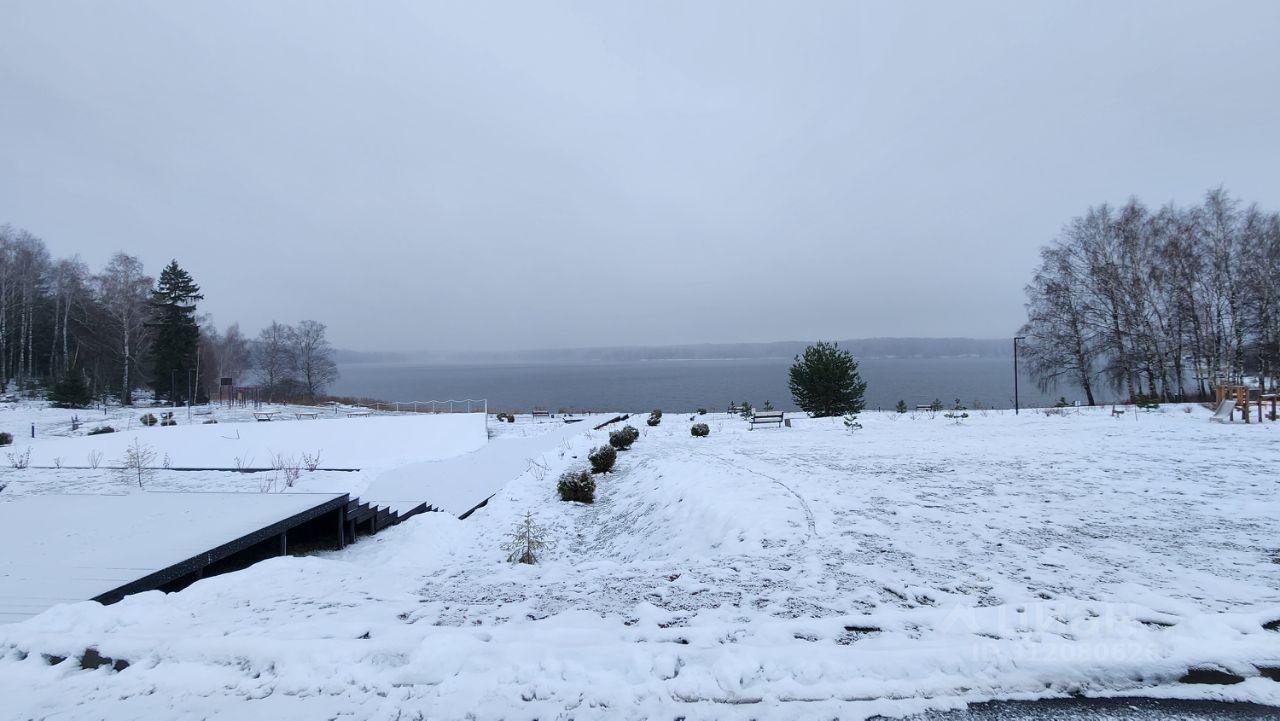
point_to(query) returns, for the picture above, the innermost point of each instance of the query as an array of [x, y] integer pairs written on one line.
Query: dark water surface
[[685, 384]]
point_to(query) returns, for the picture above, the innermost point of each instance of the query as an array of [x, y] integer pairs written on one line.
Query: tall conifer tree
[[177, 336]]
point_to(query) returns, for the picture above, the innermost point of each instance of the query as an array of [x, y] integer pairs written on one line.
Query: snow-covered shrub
[[210, 420], [901, 407], [602, 459], [20, 460], [100, 430], [745, 410], [957, 412], [148, 419], [851, 423], [702, 411], [1146, 402], [6, 439], [577, 486], [655, 417], [700, 430], [525, 541], [621, 440]]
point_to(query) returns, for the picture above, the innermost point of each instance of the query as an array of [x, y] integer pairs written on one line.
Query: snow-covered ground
[[797, 572]]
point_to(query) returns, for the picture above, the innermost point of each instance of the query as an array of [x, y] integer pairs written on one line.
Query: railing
[[463, 405]]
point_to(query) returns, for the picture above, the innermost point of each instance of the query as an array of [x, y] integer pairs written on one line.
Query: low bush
[[901, 407], [149, 419], [210, 420], [623, 438], [655, 417], [702, 411], [6, 439], [577, 486], [100, 430], [602, 459], [700, 430]]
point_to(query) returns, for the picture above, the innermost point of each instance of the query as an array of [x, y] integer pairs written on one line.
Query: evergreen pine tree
[[825, 381], [71, 392], [177, 337]]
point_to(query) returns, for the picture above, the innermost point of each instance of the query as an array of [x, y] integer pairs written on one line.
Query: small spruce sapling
[[851, 423], [525, 541], [768, 406], [700, 430], [957, 413], [655, 417], [901, 407], [746, 410]]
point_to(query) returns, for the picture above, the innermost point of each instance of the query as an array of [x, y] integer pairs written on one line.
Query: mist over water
[[682, 385]]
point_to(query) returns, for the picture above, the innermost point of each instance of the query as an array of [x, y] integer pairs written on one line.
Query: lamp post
[[1015, 371]]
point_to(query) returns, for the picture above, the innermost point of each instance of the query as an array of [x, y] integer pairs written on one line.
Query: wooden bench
[[765, 418], [265, 415], [307, 414], [357, 414], [541, 414]]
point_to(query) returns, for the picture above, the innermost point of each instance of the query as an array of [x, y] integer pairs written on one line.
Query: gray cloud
[[507, 175]]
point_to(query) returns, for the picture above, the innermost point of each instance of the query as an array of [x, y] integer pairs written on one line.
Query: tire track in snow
[[804, 505]]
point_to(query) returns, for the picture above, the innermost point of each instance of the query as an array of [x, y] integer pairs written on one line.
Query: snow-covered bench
[[265, 415], [307, 414], [357, 414], [540, 414], [765, 418]]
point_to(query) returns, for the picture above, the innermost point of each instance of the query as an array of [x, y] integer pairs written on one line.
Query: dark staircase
[[365, 519]]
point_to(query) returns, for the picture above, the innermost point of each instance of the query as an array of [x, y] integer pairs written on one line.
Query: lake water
[[684, 384]]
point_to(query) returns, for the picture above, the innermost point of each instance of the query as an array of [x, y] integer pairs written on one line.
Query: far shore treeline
[[89, 336], [1163, 303]]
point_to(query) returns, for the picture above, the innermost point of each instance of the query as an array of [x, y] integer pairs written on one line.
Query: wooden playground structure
[[1233, 398]]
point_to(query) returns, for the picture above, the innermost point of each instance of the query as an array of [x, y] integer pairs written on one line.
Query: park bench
[[357, 414], [541, 414], [765, 418], [307, 414], [265, 415], [924, 407]]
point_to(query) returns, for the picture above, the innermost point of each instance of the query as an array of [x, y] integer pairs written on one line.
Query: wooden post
[[284, 543]]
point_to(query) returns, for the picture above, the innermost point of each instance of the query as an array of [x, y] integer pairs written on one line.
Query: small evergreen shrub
[[700, 430], [100, 430], [702, 411], [149, 419], [1062, 402], [655, 417], [577, 486], [71, 392], [632, 432], [768, 406], [6, 439], [1146, 402], [936, 405], [621, 440], [602, 459], [901, 407], [746, 410], [210, 420]]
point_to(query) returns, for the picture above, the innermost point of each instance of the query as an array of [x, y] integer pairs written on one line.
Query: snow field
[[802, 572]]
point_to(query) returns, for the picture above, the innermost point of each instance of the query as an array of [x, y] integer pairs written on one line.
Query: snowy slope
[[803, 572]]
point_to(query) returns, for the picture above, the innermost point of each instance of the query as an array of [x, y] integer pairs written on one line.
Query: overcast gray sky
[[478, 175]]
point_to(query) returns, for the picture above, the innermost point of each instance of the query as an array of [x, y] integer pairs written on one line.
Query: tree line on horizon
[[1162, 304], [95, 336]]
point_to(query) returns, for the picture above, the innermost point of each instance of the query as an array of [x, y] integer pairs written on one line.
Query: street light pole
[[1015, 371]]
